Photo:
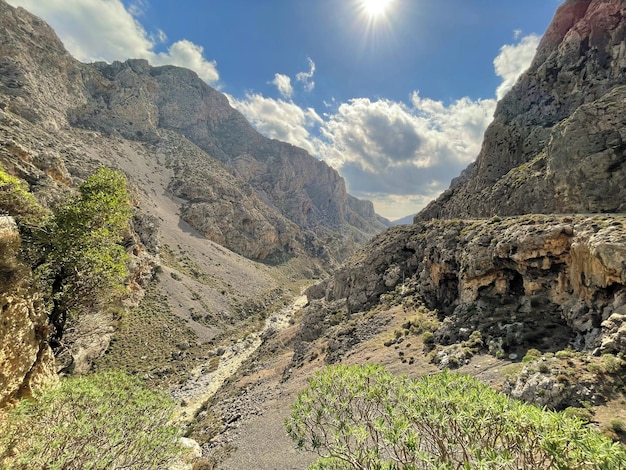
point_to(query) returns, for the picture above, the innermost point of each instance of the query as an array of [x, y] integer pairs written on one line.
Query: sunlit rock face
[[27, 361], [557, 141], [534, 281]]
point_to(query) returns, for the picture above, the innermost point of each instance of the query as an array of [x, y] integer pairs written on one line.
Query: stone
[[27, 361]]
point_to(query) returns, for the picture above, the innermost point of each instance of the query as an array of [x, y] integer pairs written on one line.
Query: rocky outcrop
[[534, 281], [556, 144], [27, 361]]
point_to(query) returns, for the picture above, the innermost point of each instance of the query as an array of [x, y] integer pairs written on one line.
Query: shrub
[[103, 421], [612, 364], [618, 425], [362, 417], [17, 201], [77, 256], [428, 337], [531, 355]]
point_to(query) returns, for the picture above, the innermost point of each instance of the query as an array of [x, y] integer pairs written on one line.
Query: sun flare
[[375, 8]]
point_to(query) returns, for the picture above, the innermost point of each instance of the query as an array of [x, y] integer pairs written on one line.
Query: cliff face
[[535, 281], [556, 144], [259, 197], [27, 361]]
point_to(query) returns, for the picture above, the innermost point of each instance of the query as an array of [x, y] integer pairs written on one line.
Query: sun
[[375, 8]]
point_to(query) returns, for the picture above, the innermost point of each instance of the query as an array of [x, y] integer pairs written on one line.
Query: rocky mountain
[[264, 199], [526, 280], [556, 144], [225, 220]]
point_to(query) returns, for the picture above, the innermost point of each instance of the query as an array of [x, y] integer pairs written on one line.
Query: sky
[[394, 94]]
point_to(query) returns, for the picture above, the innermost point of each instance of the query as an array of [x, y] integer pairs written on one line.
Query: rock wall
[[533, 281], [556, 144], [26, 360]]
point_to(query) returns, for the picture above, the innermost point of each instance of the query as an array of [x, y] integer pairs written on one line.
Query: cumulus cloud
[[283, 83], [398, 155], [306, 78], [513, 60], [106, 30], [279, 119], [390, 148]]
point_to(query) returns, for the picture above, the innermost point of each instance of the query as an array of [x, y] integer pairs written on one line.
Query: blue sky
[[397, 101]]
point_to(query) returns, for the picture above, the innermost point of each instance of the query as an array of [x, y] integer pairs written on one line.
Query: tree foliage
[[104, 421], [363, 417], [79, 253]]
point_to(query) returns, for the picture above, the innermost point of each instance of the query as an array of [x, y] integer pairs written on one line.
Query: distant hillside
[[404, 220]]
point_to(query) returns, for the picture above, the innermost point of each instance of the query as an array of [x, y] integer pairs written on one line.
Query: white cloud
[[189, 55], [390, 148], [105, 30], [138, 7], [283, 83], [396, 155], [306, 78], [513, 60], [279, 119]]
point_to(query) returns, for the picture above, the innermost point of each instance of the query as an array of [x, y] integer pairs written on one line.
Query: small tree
[[80, 256], [104, 421], [362, 417]]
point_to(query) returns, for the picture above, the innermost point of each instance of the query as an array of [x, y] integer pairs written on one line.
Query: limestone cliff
[[556, 144], [27, 361], [535, 281]]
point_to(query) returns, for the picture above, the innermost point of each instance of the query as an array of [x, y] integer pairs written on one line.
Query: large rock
[[556, 144], [27, 361]]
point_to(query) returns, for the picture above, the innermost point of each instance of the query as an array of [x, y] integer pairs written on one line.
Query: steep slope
[[556, 144]]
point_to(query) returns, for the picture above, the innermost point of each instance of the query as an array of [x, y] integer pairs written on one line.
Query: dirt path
[[202, 385]]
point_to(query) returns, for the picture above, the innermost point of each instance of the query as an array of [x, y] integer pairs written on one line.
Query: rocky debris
[[532, 281], [556, 144], [27, 361], [567, 379]]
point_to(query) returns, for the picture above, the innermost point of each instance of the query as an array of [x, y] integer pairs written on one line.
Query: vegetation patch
[[103, 421], [152, 342], [358, 417]]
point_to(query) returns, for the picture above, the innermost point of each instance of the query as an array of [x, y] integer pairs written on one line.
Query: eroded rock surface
[[26, 360], [532, 281]]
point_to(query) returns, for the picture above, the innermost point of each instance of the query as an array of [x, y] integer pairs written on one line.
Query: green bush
[[16, 200], [618, 425], [531, 355], [103, 421], [612, 364], [362, 417]]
